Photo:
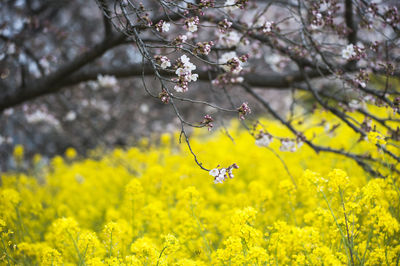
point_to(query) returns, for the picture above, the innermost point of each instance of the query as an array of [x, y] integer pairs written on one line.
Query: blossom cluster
[[221, 174], [244, 110], [107, 81], [163, 26], [192, 23], [207, 122], [163, 61], [184, 70], [263, 139], [206, 3], [232, 63], [352, 52], [203, 48]]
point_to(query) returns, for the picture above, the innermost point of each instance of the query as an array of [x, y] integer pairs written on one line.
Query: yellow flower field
[[152, 205]]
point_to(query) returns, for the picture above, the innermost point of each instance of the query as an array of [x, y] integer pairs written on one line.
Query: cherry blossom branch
[[358, 158]]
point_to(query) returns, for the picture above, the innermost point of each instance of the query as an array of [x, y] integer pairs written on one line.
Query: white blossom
[[187, 64], [7, 140], [327, 127], [194, 77], [214, 172], [369, 98], [40, 116], [165, 64], [219, 175], [274, 61], [219, 179], [229, 39], [178, 88], [228, 56], [236, 79], [315, 26], [323, 7], [299, 144], [9, 111], [44, 63], [163, 61], [361, 83], [354, 104], [184, 72], [184, 59], [11, 49], [239, 80], [70, 116], [268, 26], [264, 141], [144, 108], [107, 81], [288, 145], [191, 26], [93, 85], [348, 52], [180, 71], [230, 173], [165, 27]]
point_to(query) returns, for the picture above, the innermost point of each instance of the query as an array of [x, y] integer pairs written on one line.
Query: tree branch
[[267, 80], [48, 84], [349, 17]]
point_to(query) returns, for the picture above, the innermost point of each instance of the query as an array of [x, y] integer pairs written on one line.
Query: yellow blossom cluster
[[152, 205]]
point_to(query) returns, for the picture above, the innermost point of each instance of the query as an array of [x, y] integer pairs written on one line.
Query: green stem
[[110, 249], [334, 218], [350, 241], [366, 247], [81, 261], [201, 231], [5, 251], [159, 257]]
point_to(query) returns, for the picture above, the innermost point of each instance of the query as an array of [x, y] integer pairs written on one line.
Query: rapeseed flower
[[151, 205]]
